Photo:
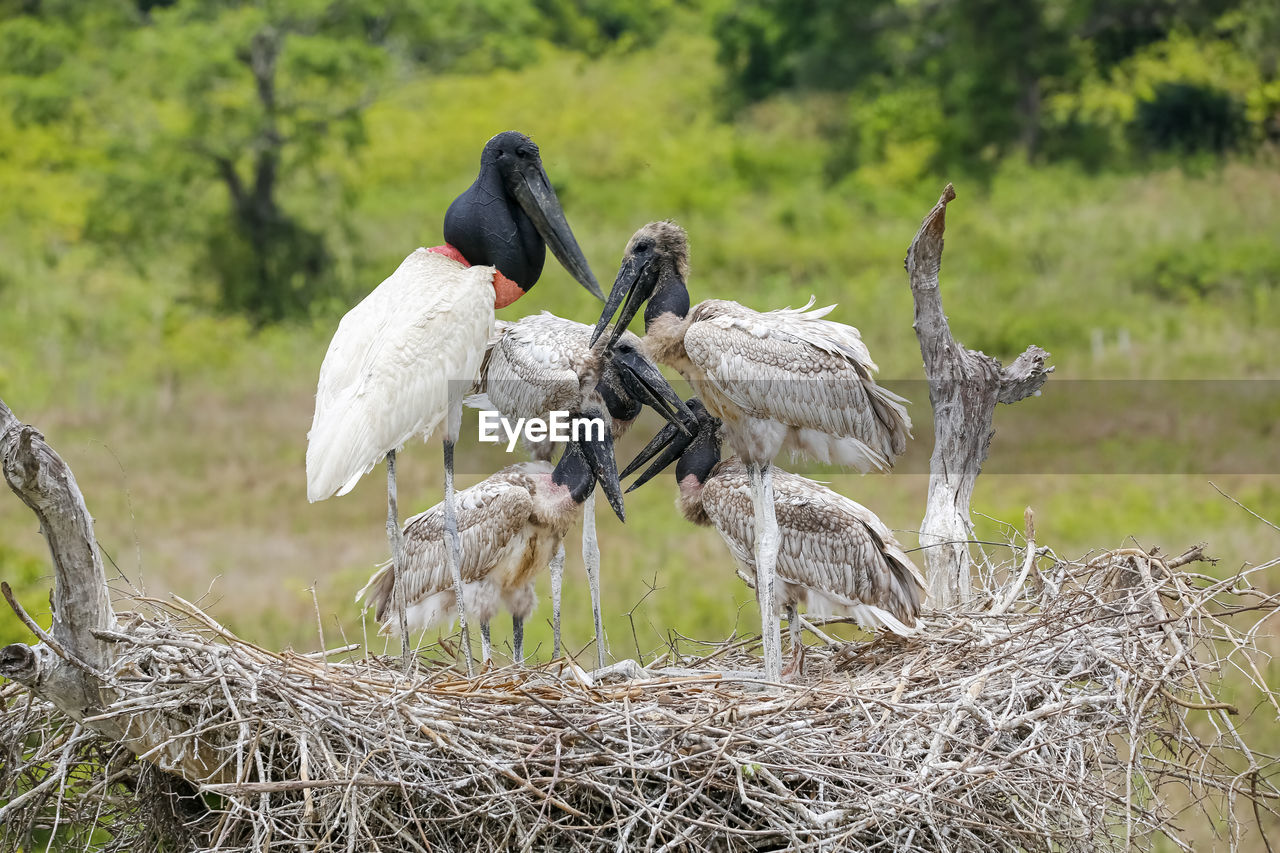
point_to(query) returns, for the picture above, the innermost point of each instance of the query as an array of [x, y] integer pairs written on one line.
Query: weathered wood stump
[[70, 665], [964, 387]]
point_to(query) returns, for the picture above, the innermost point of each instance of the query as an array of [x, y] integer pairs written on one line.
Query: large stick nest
[[1077, 711]]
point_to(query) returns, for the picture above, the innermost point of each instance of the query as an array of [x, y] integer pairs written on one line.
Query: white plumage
[[403, 358], [386, 375]]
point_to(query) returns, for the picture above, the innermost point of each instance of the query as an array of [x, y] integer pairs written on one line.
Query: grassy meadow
[[187, 429]]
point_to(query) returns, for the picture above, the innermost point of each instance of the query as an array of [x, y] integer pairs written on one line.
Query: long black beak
[[644, 382], [604, 467], [668, 445], [533, 191], [635, 281]]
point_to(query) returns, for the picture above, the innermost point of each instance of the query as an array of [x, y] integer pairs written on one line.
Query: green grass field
[[187, 431]]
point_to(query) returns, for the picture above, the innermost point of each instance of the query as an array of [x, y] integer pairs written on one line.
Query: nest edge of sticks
[[1076, 706]]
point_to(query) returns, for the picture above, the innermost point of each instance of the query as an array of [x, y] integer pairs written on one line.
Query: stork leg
[[557, 581], [453, 549], [766, 555], [395, 537], [486, 645], [517, 639], [591, 559], [796, 665]]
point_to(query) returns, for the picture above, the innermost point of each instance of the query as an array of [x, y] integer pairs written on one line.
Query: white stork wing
[[793, 367], [835, 548], [386, 375], [491, 514]]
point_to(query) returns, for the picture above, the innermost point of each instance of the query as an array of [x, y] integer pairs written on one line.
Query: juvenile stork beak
[[668, 445], [642, 380], [636, 281], [532, 189], [600, 458]]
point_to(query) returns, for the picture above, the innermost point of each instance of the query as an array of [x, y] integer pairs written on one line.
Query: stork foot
[[795, 667]]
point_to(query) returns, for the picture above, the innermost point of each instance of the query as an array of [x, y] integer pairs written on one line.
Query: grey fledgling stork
[[510, 525], [543, 363], [837, 557], [402, 359], [785, 379]]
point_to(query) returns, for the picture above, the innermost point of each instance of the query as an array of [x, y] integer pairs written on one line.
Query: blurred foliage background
[[195, 192]]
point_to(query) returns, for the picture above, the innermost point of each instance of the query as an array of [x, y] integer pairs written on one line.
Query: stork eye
[[523, 153], [643, 247]]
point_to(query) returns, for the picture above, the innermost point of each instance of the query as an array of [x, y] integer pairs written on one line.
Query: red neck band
[[505, 291]]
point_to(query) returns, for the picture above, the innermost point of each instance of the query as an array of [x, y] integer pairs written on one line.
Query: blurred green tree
[[1187, 119], [962, 82], [212, 125], [246, 97], [986, 60]]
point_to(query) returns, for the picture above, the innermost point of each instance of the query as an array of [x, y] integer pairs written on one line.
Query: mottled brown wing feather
[[829, 543], [793, 367], [490, 513]]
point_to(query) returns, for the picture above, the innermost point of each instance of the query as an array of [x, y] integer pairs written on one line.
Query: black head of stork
[[588, 459], [630, 381], [697, 453], [508, 217], [655, 267]]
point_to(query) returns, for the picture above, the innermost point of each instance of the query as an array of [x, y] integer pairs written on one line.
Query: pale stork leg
[[395, 536], [486, 646], [557, 581], [796, 665], [591, 559], [517, 639], [453, 549], [766, 555]]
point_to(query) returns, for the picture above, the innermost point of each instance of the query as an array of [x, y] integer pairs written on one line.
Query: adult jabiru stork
[[543, 363], [403, 358], [510, 524], [836, 556], [777, 379]]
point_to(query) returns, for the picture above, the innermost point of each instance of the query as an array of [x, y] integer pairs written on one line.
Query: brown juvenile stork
[[837, 557], [785, 379], [542, 363], [510, 524]]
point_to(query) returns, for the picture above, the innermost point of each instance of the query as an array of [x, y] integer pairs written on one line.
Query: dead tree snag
[[964, 387]]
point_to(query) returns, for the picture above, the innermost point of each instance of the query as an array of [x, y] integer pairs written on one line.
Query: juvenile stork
[[544, 363], [837, 557], [403, 358], [777, 379], [510, 523]]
